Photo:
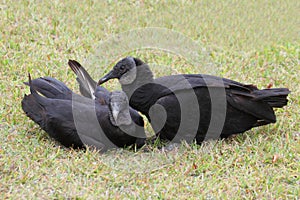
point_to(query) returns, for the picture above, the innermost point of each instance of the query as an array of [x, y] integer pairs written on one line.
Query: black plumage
[[195, 105], [89, 88], [76, 121]]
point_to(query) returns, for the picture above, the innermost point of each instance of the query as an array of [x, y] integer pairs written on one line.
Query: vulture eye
[[122, 67]]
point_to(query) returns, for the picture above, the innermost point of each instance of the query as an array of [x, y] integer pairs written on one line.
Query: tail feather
[[38, 98], [33, 109], [51, 88], [32, 105], [275, 97]]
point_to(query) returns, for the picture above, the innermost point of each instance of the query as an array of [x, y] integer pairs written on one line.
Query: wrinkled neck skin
[[123, 121], [129, 77], [142, 77]]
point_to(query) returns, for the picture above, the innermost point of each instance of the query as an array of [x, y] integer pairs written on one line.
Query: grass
[[248, 41]]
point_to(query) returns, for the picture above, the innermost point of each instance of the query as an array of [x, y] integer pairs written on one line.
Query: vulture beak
[[109, 75], [115, 114]]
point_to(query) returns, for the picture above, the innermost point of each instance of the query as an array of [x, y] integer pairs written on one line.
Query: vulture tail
[[33, 109], [32, 106], [275, 97], [51, 88]]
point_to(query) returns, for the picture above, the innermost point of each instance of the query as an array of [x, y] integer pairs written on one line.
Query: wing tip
[[75, 66]]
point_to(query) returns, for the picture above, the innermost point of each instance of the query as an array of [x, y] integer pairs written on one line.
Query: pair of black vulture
[[180, 107]]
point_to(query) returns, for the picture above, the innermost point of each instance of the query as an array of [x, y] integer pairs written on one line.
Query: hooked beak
[[115, 114], [109, 75]]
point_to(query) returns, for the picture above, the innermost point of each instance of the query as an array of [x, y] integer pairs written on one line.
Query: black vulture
[[89, 88], [195, 106], [76, 121]]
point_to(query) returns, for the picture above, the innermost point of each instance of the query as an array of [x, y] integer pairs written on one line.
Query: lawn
[[249, 41]]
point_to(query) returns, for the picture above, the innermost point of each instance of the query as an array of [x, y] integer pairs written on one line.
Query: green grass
[[248, 41]]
